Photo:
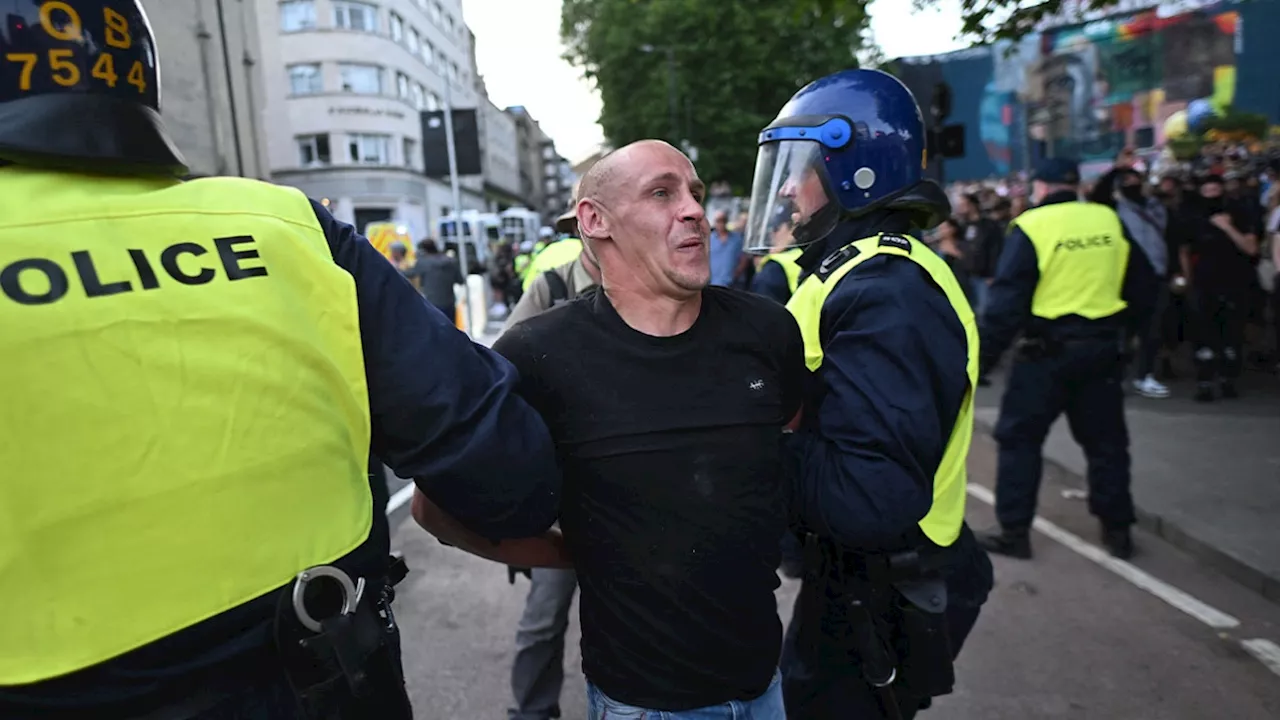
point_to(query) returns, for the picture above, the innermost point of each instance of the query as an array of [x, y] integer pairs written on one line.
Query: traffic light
[[946, 141], [940, 105]]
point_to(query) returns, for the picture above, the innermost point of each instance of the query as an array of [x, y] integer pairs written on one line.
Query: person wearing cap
[[556, 253], [195, 375], [1070, 280]]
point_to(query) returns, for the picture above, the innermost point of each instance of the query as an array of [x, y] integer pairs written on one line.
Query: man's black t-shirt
[[673, 504], [1221, 267]]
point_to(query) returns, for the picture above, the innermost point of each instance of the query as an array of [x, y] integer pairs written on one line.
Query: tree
[[736, 62], [989, 20]]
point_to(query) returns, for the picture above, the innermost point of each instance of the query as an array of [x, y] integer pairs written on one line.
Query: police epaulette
[[835, 260], [895, 241]]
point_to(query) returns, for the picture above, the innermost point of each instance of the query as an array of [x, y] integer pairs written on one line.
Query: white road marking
[[400, 498], [1267, 653], [1205, 613]]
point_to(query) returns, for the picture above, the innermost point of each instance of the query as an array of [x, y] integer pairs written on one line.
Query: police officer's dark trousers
[[1081, 377]]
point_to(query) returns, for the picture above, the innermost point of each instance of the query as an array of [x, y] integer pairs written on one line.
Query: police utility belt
[[894, 605], [1046, 339], [339, 644]]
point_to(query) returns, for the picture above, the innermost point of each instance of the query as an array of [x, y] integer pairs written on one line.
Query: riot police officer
[[195, 374], [777, 273], [893, 579], [1069, 281]]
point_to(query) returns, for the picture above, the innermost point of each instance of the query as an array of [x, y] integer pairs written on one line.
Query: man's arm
[[1247, 242], [894, 374], [1009, 302], [444, 410], [535, 300], [546, 550]]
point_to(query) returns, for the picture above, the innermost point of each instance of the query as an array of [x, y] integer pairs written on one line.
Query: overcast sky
[[518, 50]]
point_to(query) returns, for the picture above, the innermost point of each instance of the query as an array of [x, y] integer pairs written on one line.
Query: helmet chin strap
[[817, 226], [923, 205]]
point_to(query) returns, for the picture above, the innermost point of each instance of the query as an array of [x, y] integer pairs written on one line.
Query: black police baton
[[877, 660]]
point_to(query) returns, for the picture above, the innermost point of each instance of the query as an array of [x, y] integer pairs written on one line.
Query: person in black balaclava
[[1219, 248]]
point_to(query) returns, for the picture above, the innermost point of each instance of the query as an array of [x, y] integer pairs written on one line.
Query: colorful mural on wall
[[1091, 89]]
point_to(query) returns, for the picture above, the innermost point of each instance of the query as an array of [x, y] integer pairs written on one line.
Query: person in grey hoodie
[[1148, 224], [435, 274]]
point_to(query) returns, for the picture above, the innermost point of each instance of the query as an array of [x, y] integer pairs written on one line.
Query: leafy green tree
[[736, 63], [985, 20]]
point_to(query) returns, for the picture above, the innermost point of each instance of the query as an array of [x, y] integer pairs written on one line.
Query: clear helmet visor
[[792, 204]]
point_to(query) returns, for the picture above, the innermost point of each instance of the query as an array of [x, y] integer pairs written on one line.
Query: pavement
[[1206, 476], [1062, 636]]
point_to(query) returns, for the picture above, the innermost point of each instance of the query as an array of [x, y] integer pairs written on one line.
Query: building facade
[[557, 180], [529, 141], [1118, 80], [500, 158], [213, 92], [346, 81]]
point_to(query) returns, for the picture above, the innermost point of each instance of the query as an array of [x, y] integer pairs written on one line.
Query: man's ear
[[592, 222]]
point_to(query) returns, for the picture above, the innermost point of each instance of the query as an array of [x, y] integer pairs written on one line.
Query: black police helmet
[[80, 88]]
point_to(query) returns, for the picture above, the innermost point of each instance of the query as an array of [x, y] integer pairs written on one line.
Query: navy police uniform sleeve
[[770, 281], [889, 391], [1009, 299], [444, 409]]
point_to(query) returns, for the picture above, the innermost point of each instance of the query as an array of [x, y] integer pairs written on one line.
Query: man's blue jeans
[[766, 707]]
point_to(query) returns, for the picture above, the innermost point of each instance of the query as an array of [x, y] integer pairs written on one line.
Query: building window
[[410, 152], [548, 152], [369, 149], [397, 27], [453, 72], [313, 150], [428, 54], [442, 63], [362, 79], [297, 15], [305, 79], [415, 41], [448, 23], [355, 16], [435, 12], [402, 86], [418, 96], [433, 102], [550, 185]]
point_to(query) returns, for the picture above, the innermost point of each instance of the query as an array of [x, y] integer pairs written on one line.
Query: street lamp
[[671, 89]]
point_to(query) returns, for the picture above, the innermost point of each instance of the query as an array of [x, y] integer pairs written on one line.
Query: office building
[[345, 84]]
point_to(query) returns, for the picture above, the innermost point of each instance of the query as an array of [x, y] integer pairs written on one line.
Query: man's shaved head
[[601, 177], [640, 213]]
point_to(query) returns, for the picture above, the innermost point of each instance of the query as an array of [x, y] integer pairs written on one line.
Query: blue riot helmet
[[80, 88], [844, 146]]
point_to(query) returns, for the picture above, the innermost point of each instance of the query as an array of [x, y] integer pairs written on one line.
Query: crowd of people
[[1208, 229]]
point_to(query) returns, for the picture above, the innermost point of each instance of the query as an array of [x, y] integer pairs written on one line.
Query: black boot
[[1014, 544], [1118, 541], [1204, 392], [1228, 390]]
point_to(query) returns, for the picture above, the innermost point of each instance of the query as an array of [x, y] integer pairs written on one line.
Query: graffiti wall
[[1091, 89]]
